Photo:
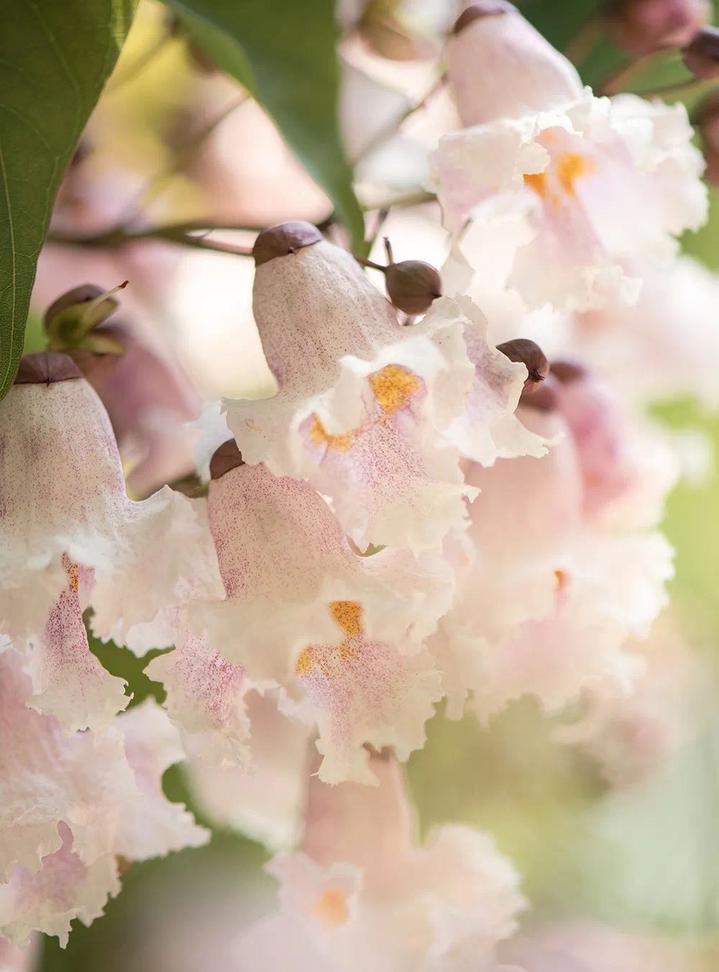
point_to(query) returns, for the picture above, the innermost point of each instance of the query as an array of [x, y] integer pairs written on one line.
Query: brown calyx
[[282, 240], [530, 355], [476, 11], [45, 368], [227, 457], [566, 371]]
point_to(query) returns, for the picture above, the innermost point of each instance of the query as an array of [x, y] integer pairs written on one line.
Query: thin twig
[[617, 81]]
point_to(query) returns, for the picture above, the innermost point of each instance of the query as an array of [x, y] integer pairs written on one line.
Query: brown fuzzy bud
[[566, 371], [412, 285], [281, 240], [701, 55], [530, 355], [483, 8], [45, 368], [225, 458]]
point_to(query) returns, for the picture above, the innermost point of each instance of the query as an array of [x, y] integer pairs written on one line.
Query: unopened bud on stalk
[[225, 458], [701, 55], [45, 368], [412, 285], [499, 66], [72, 320], [644, 26]]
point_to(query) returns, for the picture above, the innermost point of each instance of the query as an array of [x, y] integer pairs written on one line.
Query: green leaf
[[285, 53], [54, 59]]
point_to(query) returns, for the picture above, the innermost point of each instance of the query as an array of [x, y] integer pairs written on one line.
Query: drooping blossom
[[374, 415], [74, 805], [362, 893], [574, 191], [341, 633], [71, 534], [563, 566], [500, 67]]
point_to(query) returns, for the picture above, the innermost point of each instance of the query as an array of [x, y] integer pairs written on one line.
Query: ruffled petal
[[205, 700], [596, 183], [69, 682], [284, 560]]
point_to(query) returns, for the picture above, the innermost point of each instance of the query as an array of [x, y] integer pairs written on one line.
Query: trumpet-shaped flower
[[341, 632], [366, 410], [574, 192], [500, 67], [562, 568], [71, 534], [361, 893]]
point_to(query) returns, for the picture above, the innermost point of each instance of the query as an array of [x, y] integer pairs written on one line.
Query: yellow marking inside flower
[[305, 662], [73, 572], [561, 579], [393, 387], [570, 167], [331, 907], [348, 615], [537, 182], [564, 170], [320, 436]]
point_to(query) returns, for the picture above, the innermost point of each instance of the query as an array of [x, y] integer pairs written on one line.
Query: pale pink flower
[[362, 894], [575, 192], [71, 534], [500, 67], [74, 804], [342, 633], [562, 568], [374, 415]]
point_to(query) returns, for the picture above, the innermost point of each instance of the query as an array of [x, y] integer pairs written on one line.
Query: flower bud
[[282, 240], [644, 26], [69, 320], [701, 55], [225, 457], [412, 285], [45, 368], [499, 66], [530, 355], [566, 371]]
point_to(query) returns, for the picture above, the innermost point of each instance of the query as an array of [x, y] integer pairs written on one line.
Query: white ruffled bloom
[[72, 536], [575, 191], [72, 805], [562, 568], [361, 893], [367, 411], [341, 633]]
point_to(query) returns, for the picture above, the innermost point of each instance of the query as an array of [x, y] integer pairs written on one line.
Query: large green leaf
[[284, 53], [55, 56]]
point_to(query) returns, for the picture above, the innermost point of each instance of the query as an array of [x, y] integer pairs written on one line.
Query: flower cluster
[[456, 507]]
